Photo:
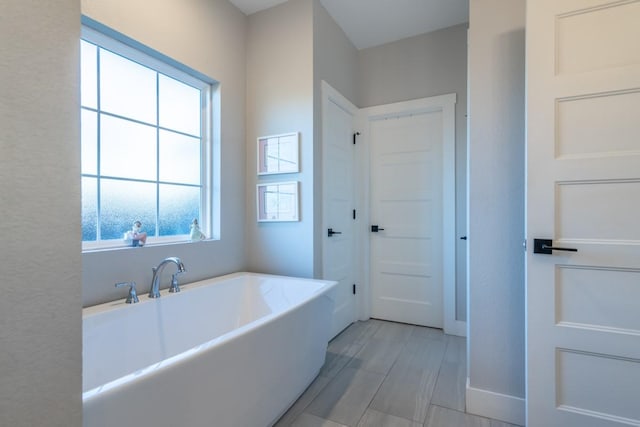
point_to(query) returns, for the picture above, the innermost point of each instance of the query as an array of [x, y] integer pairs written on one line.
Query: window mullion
[[98, 142], [157, 155], [206, 163]]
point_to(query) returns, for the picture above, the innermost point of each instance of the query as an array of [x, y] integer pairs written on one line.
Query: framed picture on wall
[[277, 201], [278, 154]]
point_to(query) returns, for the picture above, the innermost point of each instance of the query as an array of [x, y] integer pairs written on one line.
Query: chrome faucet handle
[[133, 295], [174, 282]]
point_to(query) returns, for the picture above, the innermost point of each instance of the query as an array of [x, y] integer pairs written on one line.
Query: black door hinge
[[354, 137], [354, 214], [354, 288]]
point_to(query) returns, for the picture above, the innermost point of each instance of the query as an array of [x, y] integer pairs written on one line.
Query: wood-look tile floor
[[385, 374]]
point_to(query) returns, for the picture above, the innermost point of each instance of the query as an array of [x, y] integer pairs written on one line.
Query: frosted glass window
[[89, 209], [89, 142], [89, 74], [179, 206], [144, 132], [179, 158], [126, 88], [123, 203], [179, 106], [127, 149]]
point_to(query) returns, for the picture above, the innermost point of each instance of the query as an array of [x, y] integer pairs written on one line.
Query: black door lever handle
[[375, 229], [545, 246], [330, 232]]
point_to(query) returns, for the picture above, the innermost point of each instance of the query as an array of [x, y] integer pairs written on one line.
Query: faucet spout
[[154, 292]]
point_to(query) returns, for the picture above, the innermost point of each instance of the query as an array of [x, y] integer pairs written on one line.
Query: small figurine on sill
[[196, 235], [138, 234], [136, 237]]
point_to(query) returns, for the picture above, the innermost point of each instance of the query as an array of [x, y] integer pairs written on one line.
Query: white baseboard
[[498, 406]]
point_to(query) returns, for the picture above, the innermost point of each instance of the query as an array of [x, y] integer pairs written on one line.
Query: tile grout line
[[385, 375], [426, 417], [435, 384], [382, 382]]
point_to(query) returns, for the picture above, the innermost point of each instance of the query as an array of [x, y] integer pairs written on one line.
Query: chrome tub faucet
[[157, 272]]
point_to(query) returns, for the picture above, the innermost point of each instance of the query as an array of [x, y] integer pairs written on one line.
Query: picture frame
[[278, 154], [277, 201]]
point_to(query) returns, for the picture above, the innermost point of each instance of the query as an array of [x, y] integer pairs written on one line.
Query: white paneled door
[[407, 197], [583, 193], [338, 234]]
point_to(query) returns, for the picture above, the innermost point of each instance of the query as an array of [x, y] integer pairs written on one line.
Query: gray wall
[[496, 196], [335, 60], [426, 65], [280, 100], [208, 36], [40, 323]]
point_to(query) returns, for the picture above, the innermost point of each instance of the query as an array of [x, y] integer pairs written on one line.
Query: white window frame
[[95, 33]]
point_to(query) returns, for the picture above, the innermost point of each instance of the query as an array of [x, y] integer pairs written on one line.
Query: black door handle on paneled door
[[375, 229], [330, 232], [545, 246]]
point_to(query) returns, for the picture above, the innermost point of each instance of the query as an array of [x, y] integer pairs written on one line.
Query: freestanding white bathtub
[[235, 350]]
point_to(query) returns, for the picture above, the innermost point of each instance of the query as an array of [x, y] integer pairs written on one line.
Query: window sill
[[117, 245]]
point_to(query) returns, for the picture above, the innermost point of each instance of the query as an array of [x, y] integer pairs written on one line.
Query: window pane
[[127, 149], [89, 74], [127, 88], [89, 142], [89, 209], [179, 206], [179, 158], [179, 106], [123, 203]]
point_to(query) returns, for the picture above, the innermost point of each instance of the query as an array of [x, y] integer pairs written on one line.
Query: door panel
[[582, 46], [611, 205], [406, 197], [584, 302], [583, 190], [578, 372], [338, 205], [583, 124]]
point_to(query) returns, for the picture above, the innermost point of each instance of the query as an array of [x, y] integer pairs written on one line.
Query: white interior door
[[339, 240], [407, 258], [583, 191]]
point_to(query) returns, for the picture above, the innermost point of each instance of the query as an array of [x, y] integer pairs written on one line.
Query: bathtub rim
[[120, 303]]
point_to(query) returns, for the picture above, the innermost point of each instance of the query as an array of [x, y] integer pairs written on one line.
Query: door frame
[[446, 104]]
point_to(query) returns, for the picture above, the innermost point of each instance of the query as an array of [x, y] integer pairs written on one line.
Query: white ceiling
[[370, 23], [252, 6]]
